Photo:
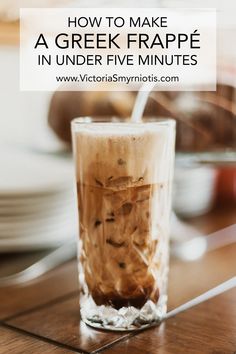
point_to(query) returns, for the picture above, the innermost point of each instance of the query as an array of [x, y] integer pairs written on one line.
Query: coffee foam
[[120, 129], [118, 150]]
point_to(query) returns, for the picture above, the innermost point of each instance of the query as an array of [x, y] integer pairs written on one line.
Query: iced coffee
[[124, 174]]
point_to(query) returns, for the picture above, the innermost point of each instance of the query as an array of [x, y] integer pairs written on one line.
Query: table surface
[[43, 316]]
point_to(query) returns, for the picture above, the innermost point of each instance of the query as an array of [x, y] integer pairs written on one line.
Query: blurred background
[[37, 197]]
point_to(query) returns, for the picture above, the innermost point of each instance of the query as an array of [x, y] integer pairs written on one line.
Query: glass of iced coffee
[[124, 176]]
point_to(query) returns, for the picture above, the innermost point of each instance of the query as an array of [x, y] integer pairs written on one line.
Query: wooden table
[[43, 316]]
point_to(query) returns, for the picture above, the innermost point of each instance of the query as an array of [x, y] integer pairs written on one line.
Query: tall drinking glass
[[124, 175]]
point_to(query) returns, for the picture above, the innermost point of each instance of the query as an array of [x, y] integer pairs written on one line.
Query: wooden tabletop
[[43, 316]]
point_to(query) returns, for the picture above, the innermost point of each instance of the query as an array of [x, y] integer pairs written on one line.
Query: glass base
[[124, 319]]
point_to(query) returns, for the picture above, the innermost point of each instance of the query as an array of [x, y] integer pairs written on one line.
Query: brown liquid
[[121, 227], [123, 176]]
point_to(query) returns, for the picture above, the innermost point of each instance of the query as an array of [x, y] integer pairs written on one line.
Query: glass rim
[[114, 120]]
